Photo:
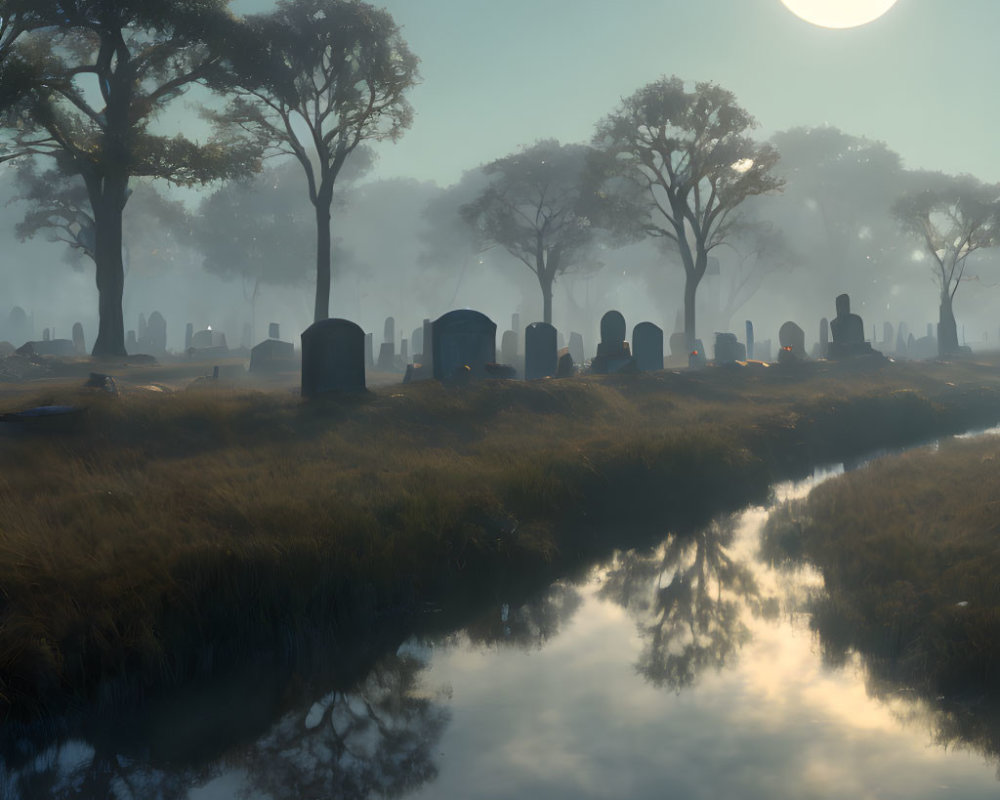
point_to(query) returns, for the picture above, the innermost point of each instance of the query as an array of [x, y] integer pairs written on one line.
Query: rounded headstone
[[613, 327], [333, 357]]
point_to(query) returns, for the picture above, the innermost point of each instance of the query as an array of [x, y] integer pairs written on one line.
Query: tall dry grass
[[909, 547], [176, 533]]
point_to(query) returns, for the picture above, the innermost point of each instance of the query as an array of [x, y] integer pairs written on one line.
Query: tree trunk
[[546, 301], [108, 203], [690, 289], [947, 327], [323, 254]]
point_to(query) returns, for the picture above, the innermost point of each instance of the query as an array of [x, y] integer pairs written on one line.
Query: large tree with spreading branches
[[677, 165], [535, 208], [953, 217], [317, 79], [83, 82]]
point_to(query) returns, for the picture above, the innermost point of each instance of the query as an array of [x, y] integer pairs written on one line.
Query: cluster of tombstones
[[151, 337], [461, 345]]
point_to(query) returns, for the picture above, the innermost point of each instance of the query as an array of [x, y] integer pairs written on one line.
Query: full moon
[[839, 13]]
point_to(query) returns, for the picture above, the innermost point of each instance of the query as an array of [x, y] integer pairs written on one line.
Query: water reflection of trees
[[919, 655], [81, 770], [376, 740], [688, 597], [526, 624]]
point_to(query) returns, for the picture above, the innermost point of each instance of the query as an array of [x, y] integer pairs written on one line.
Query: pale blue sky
[[498, 75]]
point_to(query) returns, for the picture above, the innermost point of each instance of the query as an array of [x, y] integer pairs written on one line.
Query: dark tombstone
[[848, 332], [612, 332], [369, 353], [79, 345], [272, 355], [333, 358], [156, 332], [647, 347], [141, 331], [846, 328], [188, 335], [508, 347], [463, 342], [19, 328], [792, 340], [925, 347], [428, 345], [417, 343], [273, 330], [901, 338], [46, 335], [728, 349], [824, 337], [613, 353], [697, 358], [209, 344], [750, 341], [678, 345], [576, 347], [515, 322], [887, 335], [541, 351], [54, 347], [565, 368], [386, 357], [389, 331]]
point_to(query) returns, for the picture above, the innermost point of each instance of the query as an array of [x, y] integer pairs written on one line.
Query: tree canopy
[[534, 207], [84, 80], [953, 216], [315, 79], [677, 164]]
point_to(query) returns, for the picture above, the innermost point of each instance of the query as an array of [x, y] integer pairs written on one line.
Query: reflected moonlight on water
[[839, 13]]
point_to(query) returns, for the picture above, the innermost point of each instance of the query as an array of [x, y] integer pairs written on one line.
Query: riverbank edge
[[602, 501]]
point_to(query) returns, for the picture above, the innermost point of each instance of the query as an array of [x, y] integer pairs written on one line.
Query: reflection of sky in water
[[574, 719], [547, 701]]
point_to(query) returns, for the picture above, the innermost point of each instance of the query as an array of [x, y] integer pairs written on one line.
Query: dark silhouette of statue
[[848, 332]]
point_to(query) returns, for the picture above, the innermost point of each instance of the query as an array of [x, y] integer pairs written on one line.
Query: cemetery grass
[[175, 534], [909, 550]]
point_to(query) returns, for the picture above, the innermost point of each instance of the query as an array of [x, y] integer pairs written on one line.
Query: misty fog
[[402, 249]]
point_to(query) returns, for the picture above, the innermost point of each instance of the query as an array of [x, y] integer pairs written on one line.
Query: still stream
[[688, 670]]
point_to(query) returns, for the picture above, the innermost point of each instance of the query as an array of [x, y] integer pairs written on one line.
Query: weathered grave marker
[[647, 347], [333, 358], [541, 351], [462, 342]]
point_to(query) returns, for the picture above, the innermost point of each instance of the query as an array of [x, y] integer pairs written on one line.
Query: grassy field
[[175, 533], [909, 547]]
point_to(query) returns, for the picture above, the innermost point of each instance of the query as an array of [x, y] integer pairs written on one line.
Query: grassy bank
[[909, 548], [175, 534]]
